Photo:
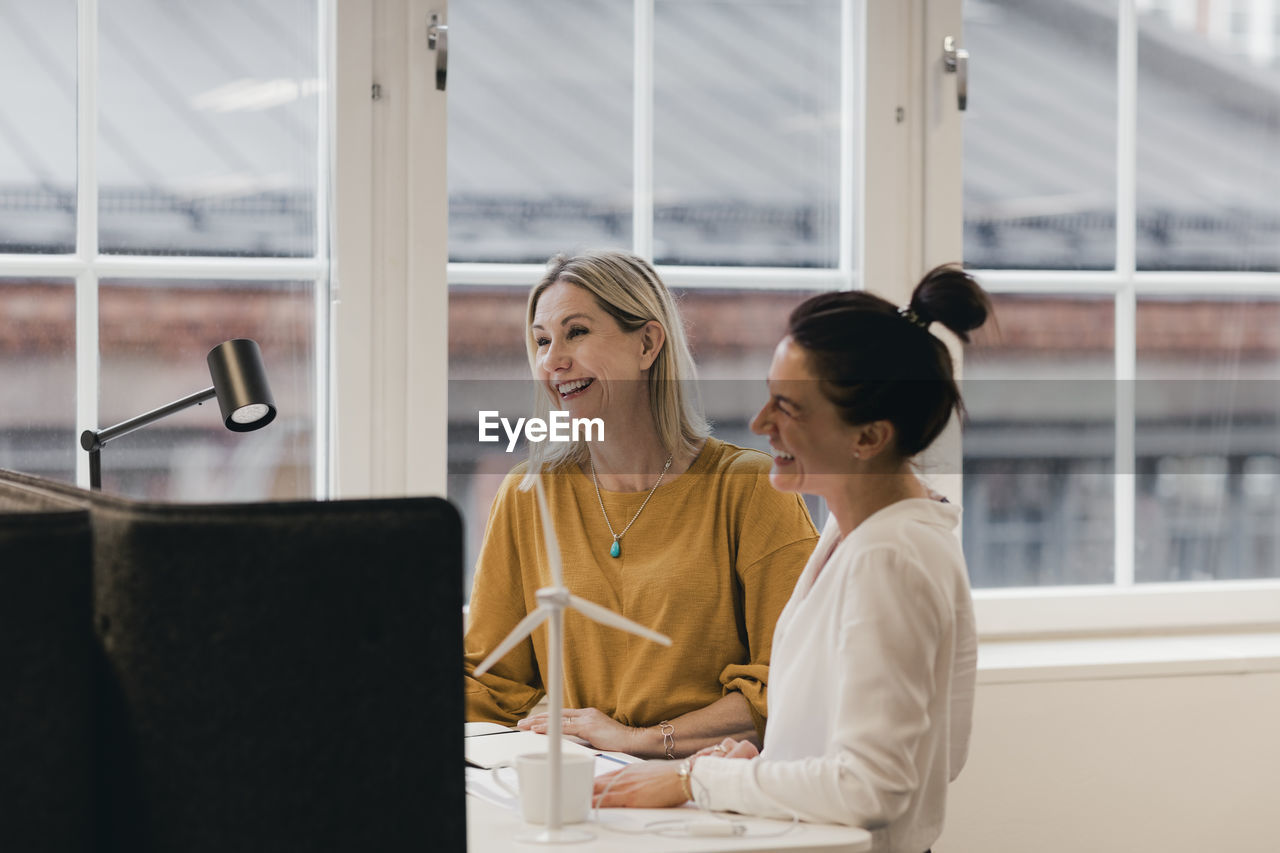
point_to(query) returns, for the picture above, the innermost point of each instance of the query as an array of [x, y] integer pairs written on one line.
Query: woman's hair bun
[[950, 296]]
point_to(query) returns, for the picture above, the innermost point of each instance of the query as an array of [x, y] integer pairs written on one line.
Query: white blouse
[[871, 685]]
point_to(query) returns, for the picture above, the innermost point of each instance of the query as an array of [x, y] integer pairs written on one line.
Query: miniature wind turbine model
[[552, 601]]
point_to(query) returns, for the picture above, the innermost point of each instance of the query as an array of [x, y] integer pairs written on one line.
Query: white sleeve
[[891, 623], [963, 680]]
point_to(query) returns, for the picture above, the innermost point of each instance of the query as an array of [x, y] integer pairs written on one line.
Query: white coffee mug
[[577, 778]]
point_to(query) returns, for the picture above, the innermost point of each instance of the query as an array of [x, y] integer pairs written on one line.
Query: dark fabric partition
[[46, 674], [278, 676]]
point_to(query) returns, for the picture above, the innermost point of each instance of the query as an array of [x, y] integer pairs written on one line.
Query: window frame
[[907, 167], [847, 272], [87, 267], [389, 309], [1126, 606], [380, 308], [899, 243]]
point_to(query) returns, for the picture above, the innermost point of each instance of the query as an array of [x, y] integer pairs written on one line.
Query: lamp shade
[[240, 383]]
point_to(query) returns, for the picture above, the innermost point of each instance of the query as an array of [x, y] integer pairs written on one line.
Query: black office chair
[[278, 676]]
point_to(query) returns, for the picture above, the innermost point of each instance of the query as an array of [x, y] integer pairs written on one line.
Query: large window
[[1122, 195], [160, 192], [1120, 200], [715, 137]]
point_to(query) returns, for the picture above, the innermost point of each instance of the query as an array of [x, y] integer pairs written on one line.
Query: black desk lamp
[[239, 383]]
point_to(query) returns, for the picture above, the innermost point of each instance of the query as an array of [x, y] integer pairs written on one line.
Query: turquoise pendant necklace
[[615, 550]]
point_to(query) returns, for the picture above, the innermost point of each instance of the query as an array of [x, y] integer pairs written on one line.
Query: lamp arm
[[92, 440]]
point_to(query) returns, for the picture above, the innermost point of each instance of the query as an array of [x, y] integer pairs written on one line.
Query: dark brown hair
[[877, 363]]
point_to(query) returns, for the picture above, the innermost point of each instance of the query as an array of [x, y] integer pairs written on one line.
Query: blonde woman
[[658, 521]]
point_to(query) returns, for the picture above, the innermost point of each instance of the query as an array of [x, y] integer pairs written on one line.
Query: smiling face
[[813, 448], [588, 362]]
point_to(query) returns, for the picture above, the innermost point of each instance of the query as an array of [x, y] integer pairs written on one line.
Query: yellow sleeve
[[777, 537], [508, 691]]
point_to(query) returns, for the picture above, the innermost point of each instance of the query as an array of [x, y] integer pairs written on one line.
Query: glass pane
[[208, 134], [1040, 135], [540, 144], [1208, 137], [154, 340], [747, 115], [37, 126], [1039, 443], [488, 369], [1208, 439], [732, 334], [38, 378]]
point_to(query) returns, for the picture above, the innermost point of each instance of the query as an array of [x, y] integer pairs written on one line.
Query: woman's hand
[[656, 784], [644, 785], [608, 735], [595, 727], [730, 748]]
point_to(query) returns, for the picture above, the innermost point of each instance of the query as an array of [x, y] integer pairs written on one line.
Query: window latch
[[438, 40], [955, 60]]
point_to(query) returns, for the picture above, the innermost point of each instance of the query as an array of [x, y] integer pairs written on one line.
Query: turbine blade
[[549, 533], [607, 617], [518, 633]]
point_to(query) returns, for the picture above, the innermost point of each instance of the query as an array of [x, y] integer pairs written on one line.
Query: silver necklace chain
[[618, 536]]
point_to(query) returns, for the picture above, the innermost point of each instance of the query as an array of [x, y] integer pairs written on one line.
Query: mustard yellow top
[[710, 562]]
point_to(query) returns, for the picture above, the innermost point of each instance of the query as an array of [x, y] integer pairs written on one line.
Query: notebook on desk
[[500, 748], [474, 729]]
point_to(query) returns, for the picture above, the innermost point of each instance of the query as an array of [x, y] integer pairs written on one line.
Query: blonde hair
[[628, 289]]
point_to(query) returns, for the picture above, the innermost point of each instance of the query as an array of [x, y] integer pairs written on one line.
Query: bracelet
[[668, 738], [685, 772]]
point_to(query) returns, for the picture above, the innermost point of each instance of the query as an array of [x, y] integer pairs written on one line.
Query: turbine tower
[[552, 601]]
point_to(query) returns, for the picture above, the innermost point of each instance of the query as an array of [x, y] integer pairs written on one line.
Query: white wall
[[1173, 764]]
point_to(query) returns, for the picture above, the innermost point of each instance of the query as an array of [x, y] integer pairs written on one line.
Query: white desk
[[492, 829]]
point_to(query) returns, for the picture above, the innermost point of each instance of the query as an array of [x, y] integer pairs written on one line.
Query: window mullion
[[1126, 298], [852, 161], [680, 275], [642, 132], [1125, 453], [322, 451], [1126, 139], [86, 226], [194, 267]]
